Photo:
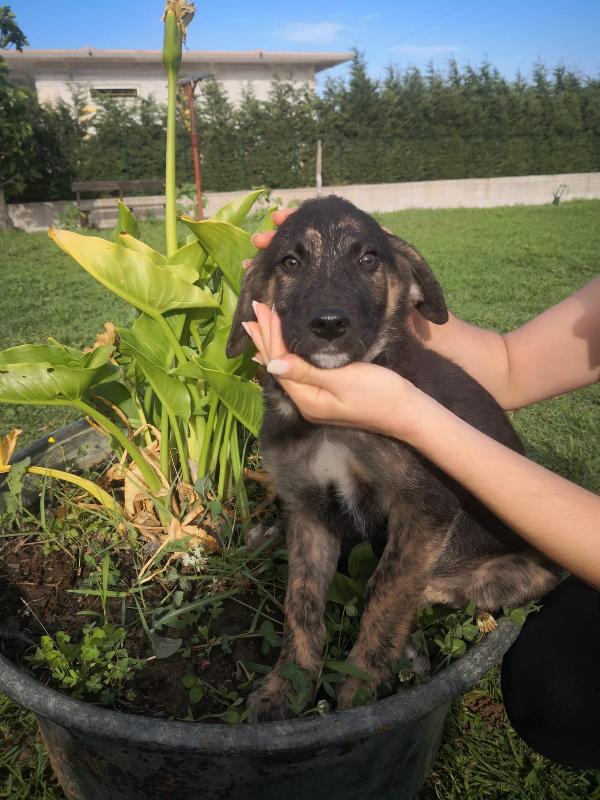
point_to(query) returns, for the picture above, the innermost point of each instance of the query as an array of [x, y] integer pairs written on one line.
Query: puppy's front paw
[[270, 701]]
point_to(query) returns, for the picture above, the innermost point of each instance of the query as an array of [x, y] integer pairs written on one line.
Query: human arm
[[556, 352], [558, 517]]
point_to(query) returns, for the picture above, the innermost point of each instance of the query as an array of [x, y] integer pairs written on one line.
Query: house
[[140, 73]]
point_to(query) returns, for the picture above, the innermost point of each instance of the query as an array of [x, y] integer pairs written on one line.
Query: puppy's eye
[[290, 262], [368, 259]]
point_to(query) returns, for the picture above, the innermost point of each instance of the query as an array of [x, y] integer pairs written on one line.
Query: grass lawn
[[499, 267]]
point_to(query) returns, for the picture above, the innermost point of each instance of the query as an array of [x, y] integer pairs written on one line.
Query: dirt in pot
[[182, 631]]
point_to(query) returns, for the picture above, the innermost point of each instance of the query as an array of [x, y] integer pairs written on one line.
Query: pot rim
[[204, 737]]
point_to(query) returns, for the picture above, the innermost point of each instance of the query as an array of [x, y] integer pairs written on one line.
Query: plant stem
[[182, 451], [149, 475], [208, 432], [224, 463], [164, 443], [170, 183], [237, 466]]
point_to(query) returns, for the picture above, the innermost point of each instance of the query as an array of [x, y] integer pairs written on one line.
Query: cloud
[[425, 49], [311, 32]]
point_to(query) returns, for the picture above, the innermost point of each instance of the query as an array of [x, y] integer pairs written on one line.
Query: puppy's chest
[[333, 481]]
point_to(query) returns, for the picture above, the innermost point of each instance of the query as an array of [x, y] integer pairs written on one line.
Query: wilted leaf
[[8, 444]]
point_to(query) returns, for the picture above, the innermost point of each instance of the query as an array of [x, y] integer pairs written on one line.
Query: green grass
[[499, 267]]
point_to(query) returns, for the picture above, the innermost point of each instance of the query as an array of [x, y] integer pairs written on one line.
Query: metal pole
[[319, 177], [189, 87]]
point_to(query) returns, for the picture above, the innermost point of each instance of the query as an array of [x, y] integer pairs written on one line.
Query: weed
[[97, 667]]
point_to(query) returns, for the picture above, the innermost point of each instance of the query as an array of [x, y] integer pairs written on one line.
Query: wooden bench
[[109, 191]]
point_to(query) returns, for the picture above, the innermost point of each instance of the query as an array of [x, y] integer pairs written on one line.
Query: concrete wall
[[467, 193]]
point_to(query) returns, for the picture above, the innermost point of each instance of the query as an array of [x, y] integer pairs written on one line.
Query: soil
[[489, 710], [34, 600]]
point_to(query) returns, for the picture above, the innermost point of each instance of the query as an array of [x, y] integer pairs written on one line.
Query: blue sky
[[512, 34]]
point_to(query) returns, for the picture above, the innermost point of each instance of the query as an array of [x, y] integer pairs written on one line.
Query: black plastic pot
[[377, 752]]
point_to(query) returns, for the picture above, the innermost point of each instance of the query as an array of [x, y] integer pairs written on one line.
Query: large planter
[[379, 752]]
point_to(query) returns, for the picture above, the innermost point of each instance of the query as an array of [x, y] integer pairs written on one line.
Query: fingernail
[[253, 237], [277, 366], [247, 262], [254, 305], [258, 360], [246, 328]]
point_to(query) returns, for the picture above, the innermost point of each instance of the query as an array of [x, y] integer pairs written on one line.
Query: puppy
[[344, 290]]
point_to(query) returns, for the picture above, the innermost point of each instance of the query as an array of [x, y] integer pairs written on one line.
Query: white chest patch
[[331, 464]]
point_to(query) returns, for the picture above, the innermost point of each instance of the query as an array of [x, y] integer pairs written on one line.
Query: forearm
[[480, 352], [554, 353], [557, 517]]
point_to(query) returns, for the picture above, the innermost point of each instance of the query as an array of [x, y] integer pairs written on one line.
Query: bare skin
[[556, 352]]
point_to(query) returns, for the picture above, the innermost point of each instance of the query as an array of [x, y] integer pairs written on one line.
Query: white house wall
[[55, 76]]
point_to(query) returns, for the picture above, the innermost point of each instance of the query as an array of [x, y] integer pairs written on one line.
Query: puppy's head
[[340, 284]]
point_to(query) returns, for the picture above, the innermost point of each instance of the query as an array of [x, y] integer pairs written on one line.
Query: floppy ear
[[238, 338], [425, 292]]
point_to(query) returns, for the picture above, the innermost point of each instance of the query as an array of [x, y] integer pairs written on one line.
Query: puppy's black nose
[[329, 323]]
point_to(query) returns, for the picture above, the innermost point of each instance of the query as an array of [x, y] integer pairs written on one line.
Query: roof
[[30, 58]]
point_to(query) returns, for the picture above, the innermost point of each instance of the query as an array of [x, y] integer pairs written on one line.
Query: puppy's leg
[[416, 537], [313, 553], [509, 579]]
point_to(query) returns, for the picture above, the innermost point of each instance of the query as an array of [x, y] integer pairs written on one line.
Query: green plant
[[98, 666], [163, 388]]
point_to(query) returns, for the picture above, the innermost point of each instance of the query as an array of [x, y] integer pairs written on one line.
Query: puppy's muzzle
[[329, 323]]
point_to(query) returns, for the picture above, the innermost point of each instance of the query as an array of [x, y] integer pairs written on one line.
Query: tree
[[15, 130]]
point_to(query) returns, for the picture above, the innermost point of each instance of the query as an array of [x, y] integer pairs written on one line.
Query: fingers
[[263, 318], [253, 331], [263, 239], [281, 215]]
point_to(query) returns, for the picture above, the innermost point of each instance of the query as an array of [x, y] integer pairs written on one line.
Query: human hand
[[263, 239], [358, 395]]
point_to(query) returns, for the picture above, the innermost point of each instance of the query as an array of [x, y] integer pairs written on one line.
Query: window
[[98, 94]]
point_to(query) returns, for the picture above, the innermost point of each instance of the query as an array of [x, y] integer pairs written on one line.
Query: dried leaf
[[7, 445], [109, 336]]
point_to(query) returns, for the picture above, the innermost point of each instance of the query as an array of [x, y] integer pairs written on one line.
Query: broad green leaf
[[241, 396], [227, 245], [214, 352], [126, 223], [156, 345], [131, 243], [53, 353], [171, 392], [344, 590], [362, 562], [237, 211], [39, 374], [186, 272], [347, 669], [117, 394], [228, 300], [192, 254], [132, 275]]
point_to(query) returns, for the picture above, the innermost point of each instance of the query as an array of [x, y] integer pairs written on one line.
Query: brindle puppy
[[344, 290]]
